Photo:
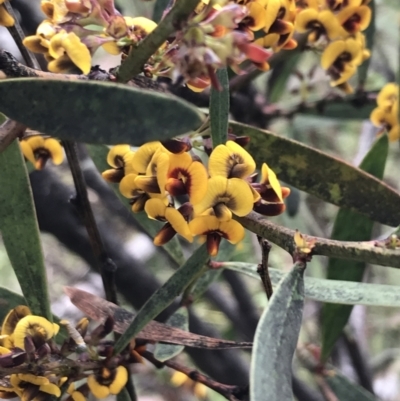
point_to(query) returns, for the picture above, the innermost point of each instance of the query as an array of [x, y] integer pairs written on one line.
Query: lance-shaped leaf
[[219, 109], [276, 339], [334, 291], [98, 153], [96, 112], [350, 226], [344, 389], [99, 309], [180, 320], [323, 176], [19, 228]]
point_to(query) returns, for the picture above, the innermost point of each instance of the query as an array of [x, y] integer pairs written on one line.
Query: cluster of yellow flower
[[154, 175], [219, 33], [336, 26], [386, 115], [27, 346]]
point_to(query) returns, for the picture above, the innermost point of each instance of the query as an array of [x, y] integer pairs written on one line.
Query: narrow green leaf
[[323, 176], [345, 390], [180, 320], [98, 153], [369, 34], [346, 108], [280, 74], [276, 339], [164, 296], [335, 291], [350, 226], [19, 227], [219, 109], [96, 112]]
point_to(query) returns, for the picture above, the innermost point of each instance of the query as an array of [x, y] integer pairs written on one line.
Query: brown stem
[[105, 265], [374, 252], [228, 391], [9, 131], [262, 268]]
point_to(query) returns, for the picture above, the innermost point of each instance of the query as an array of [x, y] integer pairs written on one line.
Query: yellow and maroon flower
[[226, 196], [272, 194], [231, 161], [155, 179], [320, 23], [186, 176], [387, 119], [213, 230], [144, 155], [108, 382], [137, 197], [120, 159], [388, 96], [176, 220], [28, 385], [38, 150], [354, 18], [341, 59]]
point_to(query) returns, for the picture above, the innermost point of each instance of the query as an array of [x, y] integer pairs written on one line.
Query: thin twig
[[228, 391], [262, 268], [9, 131], [138, 56], [105, 265], [18, 35], [374, 252]]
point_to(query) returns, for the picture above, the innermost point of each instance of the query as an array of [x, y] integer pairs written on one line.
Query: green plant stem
[[373, 252], [138, 56], [105, 265], [9, 131], [18, 35]]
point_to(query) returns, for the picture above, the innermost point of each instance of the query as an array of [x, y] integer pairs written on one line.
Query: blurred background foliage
[[233, 303]]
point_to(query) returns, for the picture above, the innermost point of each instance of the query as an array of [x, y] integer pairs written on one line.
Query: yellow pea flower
[[213, 230], [388, 96], [39, 150], [176, 222], [226, 196], [186, 176], [108, 382], [198, 389], [120, 159], [231, 161], [355, 18]]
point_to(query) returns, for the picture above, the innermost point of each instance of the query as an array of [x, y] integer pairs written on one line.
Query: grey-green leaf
[[96, 112], [19, 227], [180, 320], [276, 339], [334, 291], [164, 296], [344, 389], [98, 153], [350, 226], [323, 176], [219, 109]]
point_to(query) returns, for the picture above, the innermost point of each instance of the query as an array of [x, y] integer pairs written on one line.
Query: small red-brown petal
[[164, 235], [269, 209], [177, 146], [285, 192], [175, 187], [213, 241], [113, 175]]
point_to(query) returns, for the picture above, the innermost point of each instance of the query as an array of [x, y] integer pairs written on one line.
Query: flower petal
[[121, 377], [332, 52], [128, 186], [155, 209], [233, 231], [97, 389], [241, 197], [178, 223], [55, 149], [203, 225], [144, 155]]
